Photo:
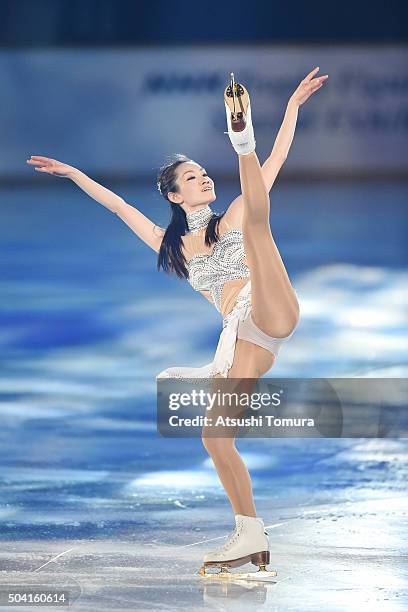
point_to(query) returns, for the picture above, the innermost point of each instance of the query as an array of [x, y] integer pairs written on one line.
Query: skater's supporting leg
[[232, 473], [250, 362]]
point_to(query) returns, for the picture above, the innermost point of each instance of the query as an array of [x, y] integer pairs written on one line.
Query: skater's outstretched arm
[[147, 231], [271, 167]]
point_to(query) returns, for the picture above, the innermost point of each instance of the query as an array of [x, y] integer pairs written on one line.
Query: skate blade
[[237, 99], [261, 575]]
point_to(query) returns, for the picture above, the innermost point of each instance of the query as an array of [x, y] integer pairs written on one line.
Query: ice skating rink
[[336, 516], [93, 500]]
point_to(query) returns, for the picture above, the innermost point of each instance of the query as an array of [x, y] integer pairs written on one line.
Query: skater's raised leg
[[275, 308]]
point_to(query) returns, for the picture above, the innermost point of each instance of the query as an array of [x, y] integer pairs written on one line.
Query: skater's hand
[[51, 166], [308, 86]]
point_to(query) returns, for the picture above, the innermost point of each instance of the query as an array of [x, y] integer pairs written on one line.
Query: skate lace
[[230, 539]]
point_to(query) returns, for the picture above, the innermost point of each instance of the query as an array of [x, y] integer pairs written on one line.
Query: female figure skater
[[233, 261]]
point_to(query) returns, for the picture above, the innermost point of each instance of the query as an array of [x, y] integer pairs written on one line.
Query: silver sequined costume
[[225, 263], [209, 272]]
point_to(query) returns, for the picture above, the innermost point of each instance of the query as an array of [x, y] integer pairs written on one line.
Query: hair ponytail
[[171, 257]]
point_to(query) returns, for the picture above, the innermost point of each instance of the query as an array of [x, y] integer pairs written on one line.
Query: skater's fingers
[[309, 76], [40, 158], [315, 86], [316, 82], [33, 162]]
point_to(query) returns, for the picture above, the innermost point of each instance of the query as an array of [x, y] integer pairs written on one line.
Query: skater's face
[[195, 188]]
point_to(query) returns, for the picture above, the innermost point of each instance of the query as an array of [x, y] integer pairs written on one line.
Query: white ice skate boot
[[239, 121], [249, 543]]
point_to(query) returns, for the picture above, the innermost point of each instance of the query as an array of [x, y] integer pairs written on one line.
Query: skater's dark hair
[[171, 257]]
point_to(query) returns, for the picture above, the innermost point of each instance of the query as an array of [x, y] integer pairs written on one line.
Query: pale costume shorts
[[237, 324]]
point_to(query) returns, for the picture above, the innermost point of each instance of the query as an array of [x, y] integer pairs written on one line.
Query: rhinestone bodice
[[209, 272]]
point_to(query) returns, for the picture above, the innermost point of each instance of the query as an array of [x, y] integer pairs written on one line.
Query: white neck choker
[[199, 219]]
